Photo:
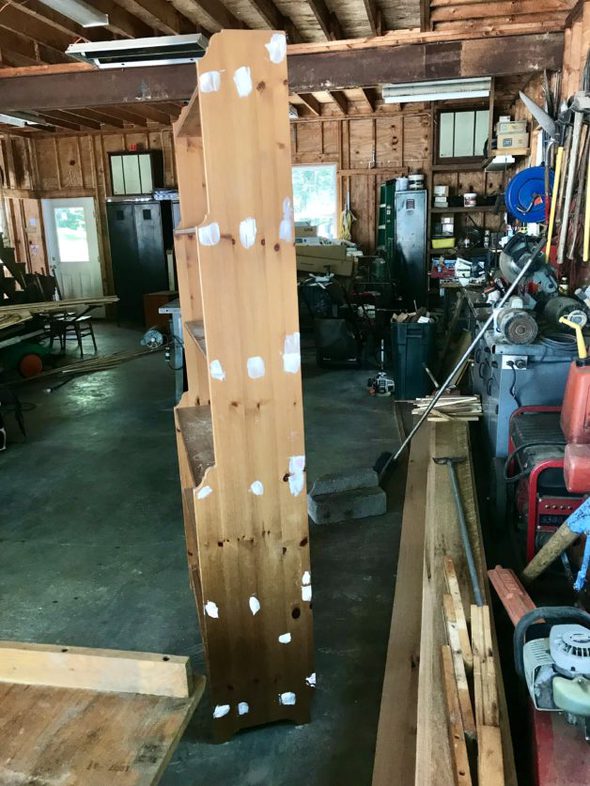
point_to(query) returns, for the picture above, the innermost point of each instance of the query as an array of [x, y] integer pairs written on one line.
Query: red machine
[[549, 453]]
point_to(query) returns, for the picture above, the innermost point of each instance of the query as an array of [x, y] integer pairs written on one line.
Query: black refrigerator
[[140, 232], [410, 247]]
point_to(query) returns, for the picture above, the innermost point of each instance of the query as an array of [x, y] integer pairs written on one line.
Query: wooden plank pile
[[443, 718], [450, 407]]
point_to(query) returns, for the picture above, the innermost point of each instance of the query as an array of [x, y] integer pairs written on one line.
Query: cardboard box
[[305, 231], [324, 259], [511, 127], [509, 141]]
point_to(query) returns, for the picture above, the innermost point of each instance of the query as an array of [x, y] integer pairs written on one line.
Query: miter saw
[[552, 655], [541, 284]]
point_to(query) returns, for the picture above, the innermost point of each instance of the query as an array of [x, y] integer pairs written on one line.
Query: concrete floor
[[92, 555]]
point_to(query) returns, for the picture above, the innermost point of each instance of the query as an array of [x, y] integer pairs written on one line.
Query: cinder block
[[350, 479], [357, 503]]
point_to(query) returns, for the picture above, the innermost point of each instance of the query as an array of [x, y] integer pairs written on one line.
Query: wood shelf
[[196, 331], [196, 431], [476, 209]]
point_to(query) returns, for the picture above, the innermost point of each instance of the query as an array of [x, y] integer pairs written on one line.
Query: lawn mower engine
[[552, 655]]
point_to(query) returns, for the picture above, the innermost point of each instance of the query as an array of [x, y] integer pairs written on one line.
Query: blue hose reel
[[525, 195]]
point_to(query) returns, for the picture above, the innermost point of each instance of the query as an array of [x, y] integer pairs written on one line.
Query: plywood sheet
[[73, 737]]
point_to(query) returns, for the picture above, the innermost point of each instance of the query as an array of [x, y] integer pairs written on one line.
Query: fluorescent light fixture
[[79, 11], [159, 50], [442, 90], [21, 120]]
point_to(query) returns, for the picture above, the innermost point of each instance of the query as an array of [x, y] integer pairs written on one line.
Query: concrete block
[[350, 479], [356, 503]]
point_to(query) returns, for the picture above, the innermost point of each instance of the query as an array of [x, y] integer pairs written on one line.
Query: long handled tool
[[451, 462], [528, 264], [569, 185]]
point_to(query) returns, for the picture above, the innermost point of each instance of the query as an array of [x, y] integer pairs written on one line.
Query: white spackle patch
[[221, 710], [212, 610], [243, 81], [257, 488], [310, 680], [254, 604], [209, 235], [292, 353], [216, 370], [277, 48], [255, 367], [243, 708], [248, 232], [306, 593], [306, 578], [287, 698], [204, 492], [210, 82], [286, 227], [285, 638], [296, 474]]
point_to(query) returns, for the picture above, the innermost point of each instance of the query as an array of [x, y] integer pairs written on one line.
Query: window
[[72, 240], [462, 134], [315, 197]]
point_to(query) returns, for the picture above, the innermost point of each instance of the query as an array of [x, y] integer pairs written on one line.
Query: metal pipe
[[522, 273], [473, 575]]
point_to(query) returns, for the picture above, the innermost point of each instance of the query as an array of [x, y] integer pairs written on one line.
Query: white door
[[72, 246]]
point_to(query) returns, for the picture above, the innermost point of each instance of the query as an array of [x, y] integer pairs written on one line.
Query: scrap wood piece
[[456, 729], [395, 754], [434, 766], [459, 667], [511, 592], [454, 590], [117, 671]]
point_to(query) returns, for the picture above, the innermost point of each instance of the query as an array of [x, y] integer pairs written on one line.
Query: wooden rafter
[[327, 20], [17, 21], [159, 14], [107, 117], [370, 97], [28, 48], [275, 19], [121, 21], [340, 100], [311, 103], [425, 23], [215, 10], [60, 119], [453, 12], [374, 16]]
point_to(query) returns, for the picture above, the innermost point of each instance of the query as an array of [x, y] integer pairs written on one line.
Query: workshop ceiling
[[33, 34]]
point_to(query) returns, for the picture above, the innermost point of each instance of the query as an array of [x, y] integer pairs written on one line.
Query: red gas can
[[575, 412], [576, 468]]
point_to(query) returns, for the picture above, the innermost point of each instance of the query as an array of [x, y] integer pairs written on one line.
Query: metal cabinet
[[138, 252]]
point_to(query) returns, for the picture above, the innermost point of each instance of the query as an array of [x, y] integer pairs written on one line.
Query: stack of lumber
[[450, 407], [443, 718], [20, 312]]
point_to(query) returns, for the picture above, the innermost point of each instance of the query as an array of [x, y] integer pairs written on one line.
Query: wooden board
[[95, 669], [246, 516], [434, 765], [73, 737], [395, 755]]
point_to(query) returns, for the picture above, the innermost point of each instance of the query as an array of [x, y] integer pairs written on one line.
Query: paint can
[[470, 199], [416, 181], [401, 184]]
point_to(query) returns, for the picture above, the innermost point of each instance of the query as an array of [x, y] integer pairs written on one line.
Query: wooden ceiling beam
[[451, 12], [374, 16], [119, 117], [311, 103], [159, 14], [340, 100], [100, 117], [152, 113], [425, 22], [68, 87], [215, 10], [276, 20], [327, 20]]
